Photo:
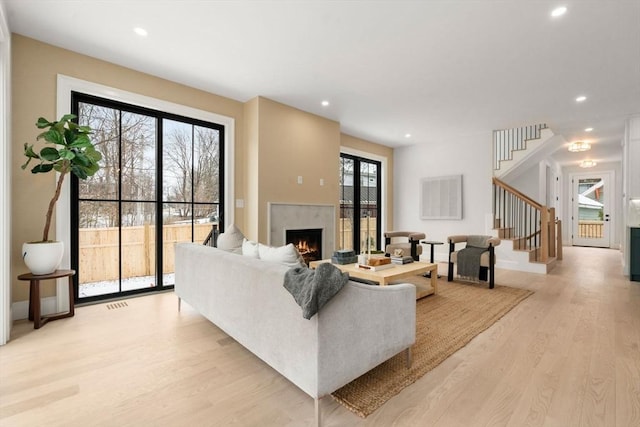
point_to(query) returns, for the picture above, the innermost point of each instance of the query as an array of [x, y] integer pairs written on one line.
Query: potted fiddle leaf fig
[[68, 149]]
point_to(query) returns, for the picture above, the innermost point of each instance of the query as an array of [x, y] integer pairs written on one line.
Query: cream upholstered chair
[[487, 258], [409, 243]]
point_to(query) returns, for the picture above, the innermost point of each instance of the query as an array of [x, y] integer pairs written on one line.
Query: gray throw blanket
[[469, 257], [312, 289]]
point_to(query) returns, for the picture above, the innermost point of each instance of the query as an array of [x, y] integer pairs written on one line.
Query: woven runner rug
[[445, 323]]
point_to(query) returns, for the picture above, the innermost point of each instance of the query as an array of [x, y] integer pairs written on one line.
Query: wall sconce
[[587, 164], [576, 147]]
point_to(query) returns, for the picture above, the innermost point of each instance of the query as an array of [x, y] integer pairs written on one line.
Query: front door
[[591, 218]]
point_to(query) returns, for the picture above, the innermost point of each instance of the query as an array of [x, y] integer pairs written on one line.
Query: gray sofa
[[359, 328]]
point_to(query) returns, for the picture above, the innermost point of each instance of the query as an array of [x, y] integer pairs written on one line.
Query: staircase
[[511, 147], [528, 229], [532, 229]]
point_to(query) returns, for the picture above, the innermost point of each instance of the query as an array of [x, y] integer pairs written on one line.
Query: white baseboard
[[20, 309], [528, 267]]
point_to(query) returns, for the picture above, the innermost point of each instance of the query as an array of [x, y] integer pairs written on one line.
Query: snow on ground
[[111, 286]]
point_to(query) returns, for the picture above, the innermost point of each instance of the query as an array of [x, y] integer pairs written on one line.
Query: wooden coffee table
[[392, 274]]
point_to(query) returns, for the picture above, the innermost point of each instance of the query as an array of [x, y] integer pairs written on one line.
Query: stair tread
[[549, 261]]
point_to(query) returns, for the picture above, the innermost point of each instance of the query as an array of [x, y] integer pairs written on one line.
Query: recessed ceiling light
[[140, 31], [407, 135], [325, 103], [581, 98], [558, 11], [588, 129]]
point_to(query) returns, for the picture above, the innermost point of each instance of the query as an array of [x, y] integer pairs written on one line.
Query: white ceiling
[[439, 70]]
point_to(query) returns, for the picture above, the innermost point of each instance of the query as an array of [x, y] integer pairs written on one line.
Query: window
[[360, 225], [160, 182]]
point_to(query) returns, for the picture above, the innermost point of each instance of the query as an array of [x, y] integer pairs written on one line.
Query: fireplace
[[295, 216], [308, 241]]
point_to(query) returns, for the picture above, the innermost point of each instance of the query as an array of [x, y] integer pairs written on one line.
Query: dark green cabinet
[[634, 254]]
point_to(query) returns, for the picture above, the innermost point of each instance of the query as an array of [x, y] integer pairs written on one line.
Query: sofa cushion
[[287, 255], [231, 240], [250, 249]]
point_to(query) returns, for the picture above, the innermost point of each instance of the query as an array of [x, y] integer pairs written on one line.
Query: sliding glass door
[[160, 182], [360, 210]]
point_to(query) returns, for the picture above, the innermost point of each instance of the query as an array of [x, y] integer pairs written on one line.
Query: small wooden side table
[[34, 296]]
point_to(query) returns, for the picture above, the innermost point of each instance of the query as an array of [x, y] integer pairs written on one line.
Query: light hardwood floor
[[569, 355]]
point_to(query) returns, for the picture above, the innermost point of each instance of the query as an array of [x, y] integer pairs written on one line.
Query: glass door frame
[[608, 178], [357, 207], [76, 98]]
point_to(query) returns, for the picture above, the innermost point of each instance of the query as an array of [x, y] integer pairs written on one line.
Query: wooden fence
[[345, 240], [99, 250], [590, 229]]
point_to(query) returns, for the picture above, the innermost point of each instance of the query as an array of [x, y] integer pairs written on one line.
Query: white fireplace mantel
[[294, 216]]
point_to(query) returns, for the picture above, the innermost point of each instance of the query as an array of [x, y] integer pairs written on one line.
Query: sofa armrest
[[457, 239], [360, 328], [416, 237], [390, 234], [494, 241], [411, 235]]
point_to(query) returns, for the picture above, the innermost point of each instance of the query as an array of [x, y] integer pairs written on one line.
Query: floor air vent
[[117, 305]]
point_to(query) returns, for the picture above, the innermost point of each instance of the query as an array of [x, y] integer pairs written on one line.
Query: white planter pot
[[42, 257]]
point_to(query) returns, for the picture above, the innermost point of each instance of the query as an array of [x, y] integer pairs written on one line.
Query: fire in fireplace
[[308, 242]]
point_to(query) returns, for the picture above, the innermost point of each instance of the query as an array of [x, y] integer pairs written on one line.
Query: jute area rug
[[445, 323]]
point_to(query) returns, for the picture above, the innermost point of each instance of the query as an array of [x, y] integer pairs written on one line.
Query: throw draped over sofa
[[478, 260]]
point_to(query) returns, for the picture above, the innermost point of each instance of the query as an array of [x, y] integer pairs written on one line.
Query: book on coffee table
[[401, 259]]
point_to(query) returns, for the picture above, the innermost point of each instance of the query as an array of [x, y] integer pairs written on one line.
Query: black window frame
[[357, 211], [160, 116]]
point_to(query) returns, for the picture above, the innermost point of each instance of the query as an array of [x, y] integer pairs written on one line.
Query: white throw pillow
[[287, 255], [231, 240], [250, 249]]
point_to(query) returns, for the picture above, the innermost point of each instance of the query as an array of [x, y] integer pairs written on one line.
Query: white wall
[[468, 156], [633, 157], [5, 173], [630, 178], [528, 183]]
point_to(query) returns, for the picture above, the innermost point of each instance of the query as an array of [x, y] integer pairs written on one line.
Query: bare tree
[[191, 157], [127, 143]]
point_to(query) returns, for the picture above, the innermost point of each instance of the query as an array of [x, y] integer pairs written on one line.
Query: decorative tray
[[374, 267]]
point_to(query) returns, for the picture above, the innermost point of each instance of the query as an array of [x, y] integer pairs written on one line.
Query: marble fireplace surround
[[295, 216]]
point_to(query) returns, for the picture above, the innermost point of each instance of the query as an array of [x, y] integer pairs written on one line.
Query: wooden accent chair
[[487, 258], [409, 244]]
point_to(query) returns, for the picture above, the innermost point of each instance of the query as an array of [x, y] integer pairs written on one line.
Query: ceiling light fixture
[[407, 135], [325, 103], [140, 31], [588, 129], [587, 164], [581, 98], [558, 11], [578, 146]]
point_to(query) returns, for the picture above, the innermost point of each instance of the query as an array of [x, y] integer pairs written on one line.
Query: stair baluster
[[506, 141], [530, 225]]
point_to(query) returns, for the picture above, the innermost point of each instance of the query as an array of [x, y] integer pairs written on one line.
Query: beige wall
[[293, 143], [252, 161], [274, 143]]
